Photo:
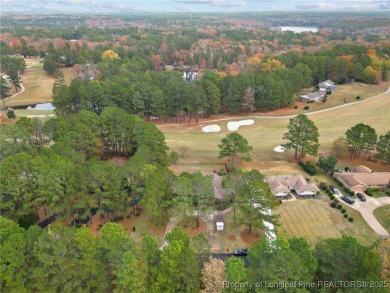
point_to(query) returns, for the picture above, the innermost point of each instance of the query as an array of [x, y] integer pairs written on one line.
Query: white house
[[327, 85]]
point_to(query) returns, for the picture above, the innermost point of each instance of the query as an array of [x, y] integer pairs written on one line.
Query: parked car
[[334, 189], [348, 199], [361, 196], [241, 252]]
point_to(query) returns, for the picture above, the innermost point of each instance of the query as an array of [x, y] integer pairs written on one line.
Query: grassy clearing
[[315, 220], [267, 133], [382, 214], [347, 93], [24, 113], [38, 84]]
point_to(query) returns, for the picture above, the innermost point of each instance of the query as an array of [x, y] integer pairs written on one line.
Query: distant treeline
[[132, 85]]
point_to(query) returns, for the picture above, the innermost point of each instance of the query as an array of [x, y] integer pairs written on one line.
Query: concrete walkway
[[18, 93], [366, 209]]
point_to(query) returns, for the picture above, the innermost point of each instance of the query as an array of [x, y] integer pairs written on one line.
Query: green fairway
[[266, 133]]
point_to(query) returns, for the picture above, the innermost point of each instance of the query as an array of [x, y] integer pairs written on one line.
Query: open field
[[315, 220], [38, 84], [266, 133], [347, 93], [382, 214]]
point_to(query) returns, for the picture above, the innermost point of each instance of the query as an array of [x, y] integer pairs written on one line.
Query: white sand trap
[[279, 149], [233, 126], [211, 128]]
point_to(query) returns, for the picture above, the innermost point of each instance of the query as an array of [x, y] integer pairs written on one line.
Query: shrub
[[11, 114], [368, 192], [308, 168], [333, 204], [221, 172], [345, 216], [339, 206], [28, 220], [357, 98], [306, 108], [350, 219], [134, 229], [173, 157], [323, 186], [343, 210], [331, 196], [295, 107]]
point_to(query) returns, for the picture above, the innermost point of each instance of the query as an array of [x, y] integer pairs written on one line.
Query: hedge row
[[346, 189], [308, 168]]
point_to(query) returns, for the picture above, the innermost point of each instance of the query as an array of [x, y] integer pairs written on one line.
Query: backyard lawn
[[315, 220], [382, 214]]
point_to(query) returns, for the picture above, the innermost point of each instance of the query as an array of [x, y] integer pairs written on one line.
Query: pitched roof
[[327, 83], [362, 169], [314, 95], [219, 192], [282, 183], [364, 179]]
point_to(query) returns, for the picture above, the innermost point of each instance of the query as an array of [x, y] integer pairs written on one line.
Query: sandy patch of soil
[[211, 128]]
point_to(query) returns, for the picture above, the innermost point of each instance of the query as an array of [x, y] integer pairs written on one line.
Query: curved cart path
[[281, 117]]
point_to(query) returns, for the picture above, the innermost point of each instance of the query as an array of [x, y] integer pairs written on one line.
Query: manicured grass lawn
[[382, 214], [267, 133], [315, 220], [38, 84], [24, 113], [347, 93], [380, 192]]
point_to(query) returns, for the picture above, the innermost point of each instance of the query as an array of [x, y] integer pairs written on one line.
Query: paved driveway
[[367, 208]]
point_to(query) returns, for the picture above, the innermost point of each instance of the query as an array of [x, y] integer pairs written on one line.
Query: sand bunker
[[233, 126], [211, 128], [279, 149]]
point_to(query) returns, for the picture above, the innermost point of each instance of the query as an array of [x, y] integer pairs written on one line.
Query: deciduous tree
[[340, 146], [213, 276], [327, 164]]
